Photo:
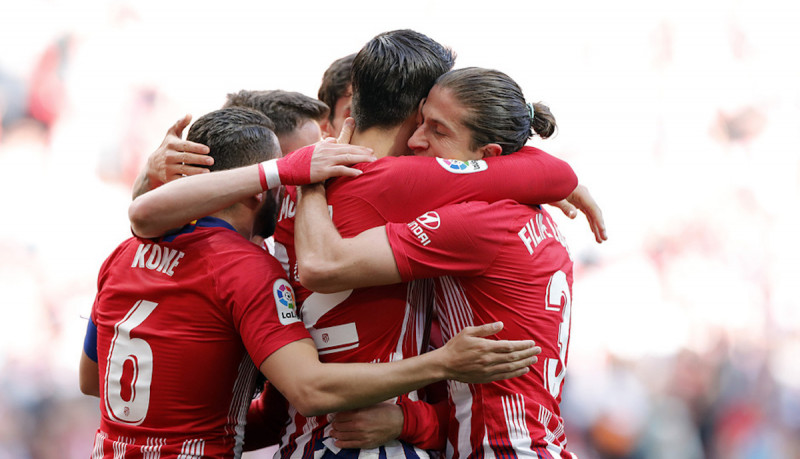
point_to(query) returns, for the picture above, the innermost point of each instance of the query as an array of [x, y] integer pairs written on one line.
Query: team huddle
[[400, 288]]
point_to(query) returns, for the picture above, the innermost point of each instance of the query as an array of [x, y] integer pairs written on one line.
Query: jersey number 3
[[129, 369], [558, 299]]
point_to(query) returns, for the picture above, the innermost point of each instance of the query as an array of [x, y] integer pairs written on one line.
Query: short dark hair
[[392, 73], [287, 109], [496, 108], [236, 137], [336, 82]]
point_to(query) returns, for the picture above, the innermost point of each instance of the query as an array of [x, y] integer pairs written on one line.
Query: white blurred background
[[681, 117]]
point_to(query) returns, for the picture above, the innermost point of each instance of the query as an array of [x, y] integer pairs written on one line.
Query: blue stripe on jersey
[[205, 222], [90, 341], [502, 447]]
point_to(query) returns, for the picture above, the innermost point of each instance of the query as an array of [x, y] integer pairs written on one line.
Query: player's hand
[[471, 358], [346, 134], [176, 157], [367, 427], [581, 199]]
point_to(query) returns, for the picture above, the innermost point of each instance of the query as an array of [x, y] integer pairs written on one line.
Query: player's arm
[[174, 158], [179, 202], [88, 371], [315, 388], [419, 423], [328, 263], [581, 199]]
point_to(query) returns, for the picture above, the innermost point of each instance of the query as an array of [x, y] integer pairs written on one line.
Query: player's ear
[[326, 128], [491, 149]]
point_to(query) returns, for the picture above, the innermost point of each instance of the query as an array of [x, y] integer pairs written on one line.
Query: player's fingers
[[568, 209], [508, 374], [353, 158], [353, 443], [344, 171], [187, 146], [177, 128], [193, 158], [483, 330], [346, 133], [182, 170]]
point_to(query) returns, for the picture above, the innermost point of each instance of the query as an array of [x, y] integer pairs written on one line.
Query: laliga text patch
[[284, 302]]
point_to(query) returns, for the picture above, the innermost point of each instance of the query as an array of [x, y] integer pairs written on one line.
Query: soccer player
[[179, 322], [337, 92], [385, 323], [296, 117], [492, 262]]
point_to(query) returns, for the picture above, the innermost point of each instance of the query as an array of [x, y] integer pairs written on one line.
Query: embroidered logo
[[285, 302], [463, 167]]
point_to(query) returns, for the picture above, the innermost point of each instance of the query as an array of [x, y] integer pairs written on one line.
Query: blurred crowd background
[[681, 117]]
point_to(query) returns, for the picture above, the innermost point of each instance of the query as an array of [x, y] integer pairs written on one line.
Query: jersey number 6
[[129, 369]]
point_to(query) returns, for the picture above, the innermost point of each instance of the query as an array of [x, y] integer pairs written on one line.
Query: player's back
[[511, 264], [178, 378]]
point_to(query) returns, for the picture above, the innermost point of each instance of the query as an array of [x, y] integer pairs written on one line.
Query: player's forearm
[[544, 179], [142, 184], [327, 262], [177, 203], [339, 387], [317, 241]]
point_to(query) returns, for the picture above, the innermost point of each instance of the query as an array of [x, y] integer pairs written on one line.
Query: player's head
[[296, 116], [336, 92], [236, 137], [478, 112], [392, 73]]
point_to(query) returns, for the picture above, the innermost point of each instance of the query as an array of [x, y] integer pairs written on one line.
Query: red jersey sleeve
[[425, 424], [459, 239], [262, 302], [529, 176]]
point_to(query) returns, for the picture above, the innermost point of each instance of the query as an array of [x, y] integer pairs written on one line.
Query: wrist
[[268, 174]]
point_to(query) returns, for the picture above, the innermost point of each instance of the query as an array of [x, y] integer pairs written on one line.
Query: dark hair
[[336, 82], [392, 73], [236, 137], [285, 108], [496, 111]]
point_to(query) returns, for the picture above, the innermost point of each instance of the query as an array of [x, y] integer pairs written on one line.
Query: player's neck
[[386, 141], [239, 217]]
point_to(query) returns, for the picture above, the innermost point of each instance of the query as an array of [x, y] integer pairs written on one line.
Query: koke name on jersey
[[155, 257]]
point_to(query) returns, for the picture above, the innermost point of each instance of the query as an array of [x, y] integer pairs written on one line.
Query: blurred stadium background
[[682, 118]]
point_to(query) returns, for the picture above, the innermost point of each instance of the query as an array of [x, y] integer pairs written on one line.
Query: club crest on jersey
[[284, 302], [463, 167]]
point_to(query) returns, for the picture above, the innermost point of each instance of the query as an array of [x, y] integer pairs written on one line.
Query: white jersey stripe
[[192, 449], [152, 448], [120, 445], [99, 439], [240, 402], [518, 433]]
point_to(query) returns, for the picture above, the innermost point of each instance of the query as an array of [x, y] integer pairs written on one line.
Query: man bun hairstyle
[[496, 111]]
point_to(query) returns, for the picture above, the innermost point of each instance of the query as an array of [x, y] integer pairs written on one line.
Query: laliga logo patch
[[284, 302], [430, 220], [463, 167]]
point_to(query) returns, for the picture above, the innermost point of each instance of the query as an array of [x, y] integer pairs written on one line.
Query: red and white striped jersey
[[180, 322], [501, 262], [380, 324]]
